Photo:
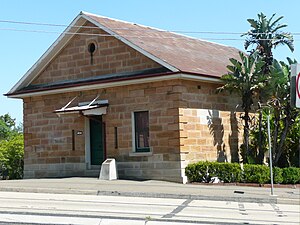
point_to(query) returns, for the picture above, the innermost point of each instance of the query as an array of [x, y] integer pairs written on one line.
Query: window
[[141, 131], [116, 137], [92, 47]]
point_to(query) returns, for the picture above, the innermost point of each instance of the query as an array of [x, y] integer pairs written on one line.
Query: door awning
[[95, 107]]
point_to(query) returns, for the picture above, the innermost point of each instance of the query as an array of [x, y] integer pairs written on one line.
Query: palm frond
[[280, 26], [291, 61], [253, 23], [275, 21], [288, 43]]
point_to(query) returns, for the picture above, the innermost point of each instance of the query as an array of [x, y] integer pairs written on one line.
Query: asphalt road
[[38, 208]]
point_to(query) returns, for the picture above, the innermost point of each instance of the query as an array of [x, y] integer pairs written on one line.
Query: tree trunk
[[246, 134], [283, 135], [287, 126], [260, 157]]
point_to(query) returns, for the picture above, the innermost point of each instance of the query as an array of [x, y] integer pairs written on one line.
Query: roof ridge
[[123, 21]]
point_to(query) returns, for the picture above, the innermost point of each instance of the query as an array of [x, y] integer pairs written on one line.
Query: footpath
[[156, 189]]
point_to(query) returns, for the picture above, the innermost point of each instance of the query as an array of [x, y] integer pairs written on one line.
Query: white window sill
[[140, 153]]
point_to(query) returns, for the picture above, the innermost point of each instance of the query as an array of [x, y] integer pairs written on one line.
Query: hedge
[[204, 171], [256, 174], [232, 173], [291, 175]]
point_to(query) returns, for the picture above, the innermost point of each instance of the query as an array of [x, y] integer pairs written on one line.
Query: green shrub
[[291, 175], [197, 172], [11, 156], [192, 173], [204, 171], [277, 175], [228, 172], [256, 174], [231, 172]]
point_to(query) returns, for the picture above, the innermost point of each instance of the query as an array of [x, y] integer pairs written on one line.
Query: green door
[[96, 136]]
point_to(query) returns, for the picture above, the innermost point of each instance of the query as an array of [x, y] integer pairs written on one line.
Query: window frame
[[135, 148]]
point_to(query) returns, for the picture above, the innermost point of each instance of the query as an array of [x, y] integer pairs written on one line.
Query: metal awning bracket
[[91, 103], [95, 107], [66, 106]]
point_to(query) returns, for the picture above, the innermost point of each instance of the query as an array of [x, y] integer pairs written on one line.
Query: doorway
[[97, 152]]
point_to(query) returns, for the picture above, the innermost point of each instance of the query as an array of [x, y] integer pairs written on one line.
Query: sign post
[[295, 85], [271, 156]]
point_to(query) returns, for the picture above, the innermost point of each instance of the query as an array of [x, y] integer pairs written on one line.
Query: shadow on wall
[[216, 129], [234, 138]]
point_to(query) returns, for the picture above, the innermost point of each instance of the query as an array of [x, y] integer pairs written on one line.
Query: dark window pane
[[141, 121]]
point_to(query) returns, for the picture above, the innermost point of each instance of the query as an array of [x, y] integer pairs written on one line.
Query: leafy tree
[[4, 130], [8, 127], [11, 148], [291, 154], [11, 156], [244, 78], [284, 114], [266, 34], [285, 128], [10, 122]]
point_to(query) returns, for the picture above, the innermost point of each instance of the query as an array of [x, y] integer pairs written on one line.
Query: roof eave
[[115, 83]]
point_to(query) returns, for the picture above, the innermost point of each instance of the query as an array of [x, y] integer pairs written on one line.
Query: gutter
[[83, 86]]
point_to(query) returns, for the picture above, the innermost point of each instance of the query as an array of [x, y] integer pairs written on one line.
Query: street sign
[[295, 86], [298, 90]]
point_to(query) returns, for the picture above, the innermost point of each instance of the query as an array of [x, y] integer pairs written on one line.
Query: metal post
[[271, 158]]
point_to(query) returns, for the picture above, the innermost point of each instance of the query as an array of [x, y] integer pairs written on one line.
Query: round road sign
[[298, 85]]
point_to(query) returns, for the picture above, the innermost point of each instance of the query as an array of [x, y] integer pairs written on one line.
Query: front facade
[[93, 97]]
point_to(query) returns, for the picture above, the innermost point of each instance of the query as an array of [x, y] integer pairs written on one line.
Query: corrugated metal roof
[[184, 53]]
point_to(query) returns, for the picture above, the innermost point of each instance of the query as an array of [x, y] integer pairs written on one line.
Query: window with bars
[[141, 131]]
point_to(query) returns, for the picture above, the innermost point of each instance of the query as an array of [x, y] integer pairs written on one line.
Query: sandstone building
[[146, 97]]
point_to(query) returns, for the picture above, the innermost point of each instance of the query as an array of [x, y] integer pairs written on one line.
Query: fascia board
[[202, 78], [183, 76]]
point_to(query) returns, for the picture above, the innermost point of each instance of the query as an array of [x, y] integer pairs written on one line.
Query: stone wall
[[161, 100], [210, 128], [189, 122], [48, 138]]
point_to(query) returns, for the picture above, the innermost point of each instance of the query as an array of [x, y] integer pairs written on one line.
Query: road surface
[[37, 208]]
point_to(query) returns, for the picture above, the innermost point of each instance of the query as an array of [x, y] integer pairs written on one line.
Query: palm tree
[[244, 78], [266, 34]]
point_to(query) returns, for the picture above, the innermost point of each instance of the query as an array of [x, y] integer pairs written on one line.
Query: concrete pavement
[[151, 188], [40, 208]]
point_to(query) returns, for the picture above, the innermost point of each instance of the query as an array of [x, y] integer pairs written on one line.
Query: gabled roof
[[175, 52]]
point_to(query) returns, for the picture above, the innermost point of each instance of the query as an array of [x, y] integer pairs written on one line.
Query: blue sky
[[20, 50]]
